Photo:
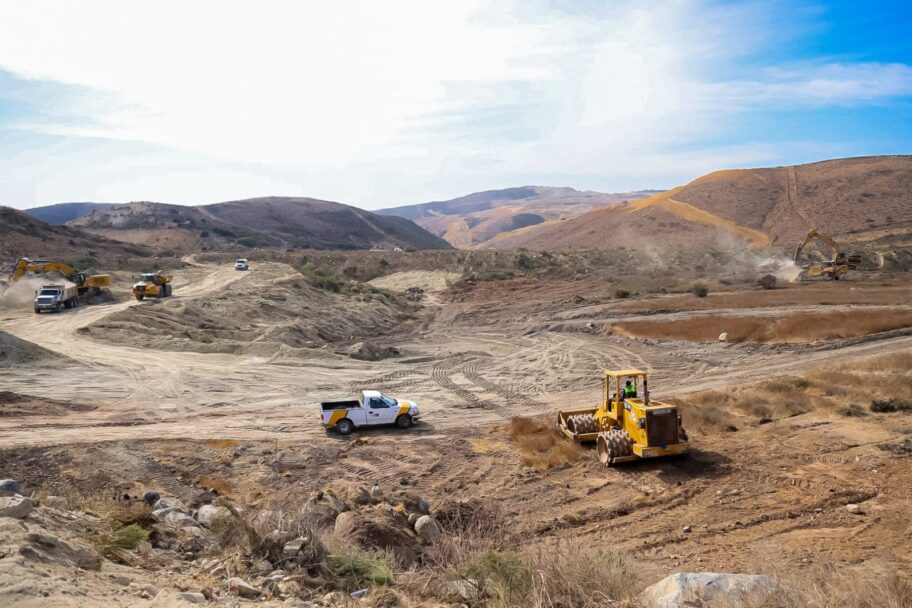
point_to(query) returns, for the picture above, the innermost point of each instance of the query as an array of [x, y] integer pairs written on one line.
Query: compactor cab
[[627, 424]]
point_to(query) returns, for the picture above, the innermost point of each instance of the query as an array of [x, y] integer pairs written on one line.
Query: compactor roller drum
[[613, 444], [581, 423]]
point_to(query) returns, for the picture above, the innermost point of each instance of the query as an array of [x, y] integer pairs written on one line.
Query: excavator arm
[[25, 265], [814, 234]]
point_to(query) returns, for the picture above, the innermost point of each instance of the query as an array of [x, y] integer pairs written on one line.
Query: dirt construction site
[[797, 401]]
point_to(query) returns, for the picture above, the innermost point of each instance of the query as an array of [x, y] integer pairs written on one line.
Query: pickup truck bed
[[327, 406]]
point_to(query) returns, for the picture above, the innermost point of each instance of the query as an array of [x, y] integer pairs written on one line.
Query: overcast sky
[[385, 103]]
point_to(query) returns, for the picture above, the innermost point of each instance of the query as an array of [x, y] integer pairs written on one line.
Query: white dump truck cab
[[54, 298], [373, 408], [241, 264]]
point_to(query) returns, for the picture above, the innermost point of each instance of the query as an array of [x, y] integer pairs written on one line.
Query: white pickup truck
[[374, 408]]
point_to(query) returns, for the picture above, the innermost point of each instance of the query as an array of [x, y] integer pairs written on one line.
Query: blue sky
[[380, 104]]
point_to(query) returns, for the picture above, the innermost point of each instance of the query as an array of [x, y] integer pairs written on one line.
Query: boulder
[[17, 507], [10, 485], [709, 590], [161, 514], [48, 549], [427, 529], [365, 351], [334, 502], [207, 513], [723, 337], [150, 497], [239, 587], [192, 597], [412, 518], [853, 509], [767, 281], [168, 503], [180, 520]]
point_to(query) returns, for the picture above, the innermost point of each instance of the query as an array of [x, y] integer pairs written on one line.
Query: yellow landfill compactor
[[627, 425], [837, 266], [152, 285], [84, 282]]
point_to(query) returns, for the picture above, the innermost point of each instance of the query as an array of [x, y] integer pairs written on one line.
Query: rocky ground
[[794, 470]]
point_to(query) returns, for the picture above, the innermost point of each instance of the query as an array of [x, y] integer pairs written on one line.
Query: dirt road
[[461, 374]]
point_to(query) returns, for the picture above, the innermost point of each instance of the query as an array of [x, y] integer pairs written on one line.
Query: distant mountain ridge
[[476, 219], [851, 199], [22, 235], [273, 222], [61, 213]]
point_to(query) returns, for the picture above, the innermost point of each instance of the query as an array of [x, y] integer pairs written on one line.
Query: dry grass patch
[[541, 445], [798, 327]]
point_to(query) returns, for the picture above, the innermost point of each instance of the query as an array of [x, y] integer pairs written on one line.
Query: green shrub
[[621, 293], [359, 569], [891, 405], [700, 290]]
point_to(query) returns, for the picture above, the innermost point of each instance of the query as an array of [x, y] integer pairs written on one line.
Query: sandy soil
[[767, 496]]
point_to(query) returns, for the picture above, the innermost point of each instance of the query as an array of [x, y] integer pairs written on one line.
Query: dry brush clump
[[541, 445], [870, 585]]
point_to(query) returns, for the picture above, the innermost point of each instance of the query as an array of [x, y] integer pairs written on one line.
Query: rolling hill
[[280, 222], [475, 219], [852, 199], [61, 213], [22, 235]]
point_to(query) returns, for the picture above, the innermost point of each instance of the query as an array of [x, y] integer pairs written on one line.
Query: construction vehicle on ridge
[[83, 282], [837, 266], [627, 425], [152, 285]]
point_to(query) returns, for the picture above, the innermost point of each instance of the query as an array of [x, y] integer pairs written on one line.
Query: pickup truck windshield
[[388, 401]]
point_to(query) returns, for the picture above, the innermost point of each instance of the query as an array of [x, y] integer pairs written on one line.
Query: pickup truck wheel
[[345, 426], [404, 421]]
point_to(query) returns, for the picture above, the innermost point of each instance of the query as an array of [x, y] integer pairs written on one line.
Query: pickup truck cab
[[241, 264], [372, 409]]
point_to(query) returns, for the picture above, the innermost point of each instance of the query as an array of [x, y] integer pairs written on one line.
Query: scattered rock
[[207, 513], [180, 520], [335, 503], [240, 588], [120, 579], [427, 529], [148, 592], [55, 502], [687, 529], [376, 492], [193, 598], [465, 589], [365, 351], [412, 518], [10, 485], [17, 507], [150, 497], [424, 506], [723, 337], [168, 503], [709, 589], [853, 509]]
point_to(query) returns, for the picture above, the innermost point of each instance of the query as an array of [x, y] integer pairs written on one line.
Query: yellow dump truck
[[627, 424], [152, 285]]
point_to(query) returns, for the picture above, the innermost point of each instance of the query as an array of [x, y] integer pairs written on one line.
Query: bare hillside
[[475, 219], [261, 222], [22, 235], [853, 199]]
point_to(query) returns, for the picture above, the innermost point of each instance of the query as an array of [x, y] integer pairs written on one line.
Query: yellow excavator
[[627, 424], [837, 266], [152, 285], [84, 282]]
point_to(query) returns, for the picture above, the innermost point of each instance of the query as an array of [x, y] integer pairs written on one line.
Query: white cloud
[[412, 95]]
